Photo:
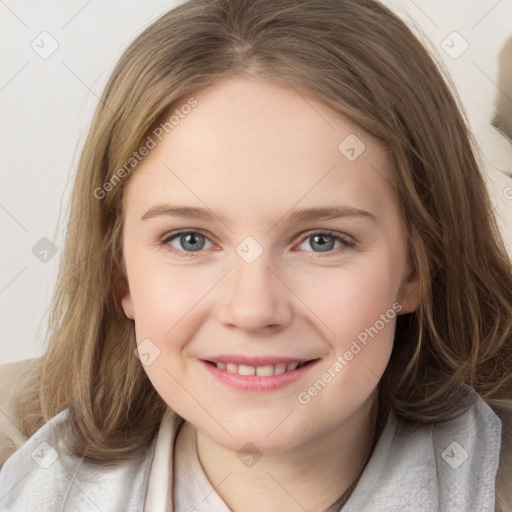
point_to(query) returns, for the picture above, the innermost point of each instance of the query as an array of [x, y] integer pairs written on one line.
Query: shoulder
[[478, 423], [35, 461], [448, 465], [466, 456], [470, 441], [43, 476], [477, 430]]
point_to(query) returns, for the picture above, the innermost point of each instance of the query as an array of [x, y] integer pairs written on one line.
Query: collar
[[449, 466]]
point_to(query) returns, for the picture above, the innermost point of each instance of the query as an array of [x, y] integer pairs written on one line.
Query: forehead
[[254, 148]]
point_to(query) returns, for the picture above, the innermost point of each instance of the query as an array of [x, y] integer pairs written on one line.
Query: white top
[[447, 467], [444, 467], [192, 489]]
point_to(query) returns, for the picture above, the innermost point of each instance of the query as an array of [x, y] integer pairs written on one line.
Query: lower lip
[[257, 384]]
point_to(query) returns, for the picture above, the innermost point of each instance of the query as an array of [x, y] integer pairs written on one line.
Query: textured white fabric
[[158, 497], [33, 479], [447, 467]]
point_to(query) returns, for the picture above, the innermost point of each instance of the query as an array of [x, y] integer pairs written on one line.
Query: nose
[[254, 297]]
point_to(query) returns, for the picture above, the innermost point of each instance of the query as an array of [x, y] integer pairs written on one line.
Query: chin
[[266, 437]]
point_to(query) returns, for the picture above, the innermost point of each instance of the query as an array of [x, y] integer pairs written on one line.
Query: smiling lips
[[257, 366], [257, 374], [260, 371]]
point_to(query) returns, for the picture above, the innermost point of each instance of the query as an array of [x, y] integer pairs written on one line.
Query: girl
[[283, 284]]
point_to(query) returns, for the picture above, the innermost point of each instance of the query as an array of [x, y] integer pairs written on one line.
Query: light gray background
[[46, 105]]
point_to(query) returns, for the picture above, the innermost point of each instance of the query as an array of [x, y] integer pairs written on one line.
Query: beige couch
[[11, 437]]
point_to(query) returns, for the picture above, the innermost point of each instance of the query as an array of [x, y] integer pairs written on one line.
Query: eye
[[187, 242], [324, 241]]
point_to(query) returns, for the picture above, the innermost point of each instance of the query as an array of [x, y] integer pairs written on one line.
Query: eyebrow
[[294, 216]]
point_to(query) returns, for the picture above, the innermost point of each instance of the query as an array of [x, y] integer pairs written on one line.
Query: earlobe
[[125, 297], [127, 304], [410, 291]]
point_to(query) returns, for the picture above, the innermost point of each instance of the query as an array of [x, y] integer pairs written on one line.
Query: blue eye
[[324, 241], [193, 241], [189, 240]]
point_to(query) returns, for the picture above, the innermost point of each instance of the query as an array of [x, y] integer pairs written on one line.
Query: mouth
[[262, 370], [257, 374]]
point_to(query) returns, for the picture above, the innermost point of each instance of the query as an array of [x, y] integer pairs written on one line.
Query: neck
[[312, 476]]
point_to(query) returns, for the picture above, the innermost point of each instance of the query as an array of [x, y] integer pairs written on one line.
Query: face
[[235, 276]]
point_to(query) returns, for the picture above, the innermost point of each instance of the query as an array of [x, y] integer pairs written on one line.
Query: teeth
[[246, 370], [232, 368], [265, 371], [261, 371], [279, 368]]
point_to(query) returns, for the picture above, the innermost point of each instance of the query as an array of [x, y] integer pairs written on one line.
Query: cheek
[[164, 299], [358, 312], [350, 300], [163, 295]]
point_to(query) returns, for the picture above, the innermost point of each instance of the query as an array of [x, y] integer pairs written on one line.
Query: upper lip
[[256, 360]]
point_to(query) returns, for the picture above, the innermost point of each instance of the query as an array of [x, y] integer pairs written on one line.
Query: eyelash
[[348, 243]]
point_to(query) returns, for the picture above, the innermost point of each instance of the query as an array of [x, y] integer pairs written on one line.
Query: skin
[[253, 151]]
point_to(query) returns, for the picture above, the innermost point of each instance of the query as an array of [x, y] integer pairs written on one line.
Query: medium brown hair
[[361, 60]]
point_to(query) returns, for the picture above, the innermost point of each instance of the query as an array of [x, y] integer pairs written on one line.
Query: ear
[[409, 295], [123, 293]]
